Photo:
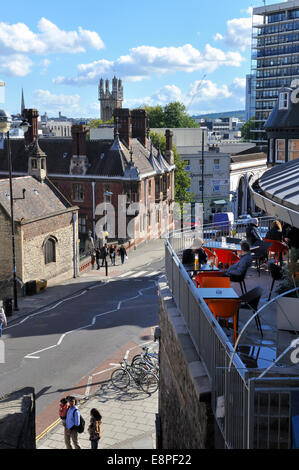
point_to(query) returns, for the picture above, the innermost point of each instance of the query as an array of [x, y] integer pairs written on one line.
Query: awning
[[220, 202]]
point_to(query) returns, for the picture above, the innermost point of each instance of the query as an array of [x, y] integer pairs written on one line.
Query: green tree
[[182, 182], [174, 114], [246, 128]]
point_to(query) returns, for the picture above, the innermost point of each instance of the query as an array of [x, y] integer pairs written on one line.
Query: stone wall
[[17, 420], [186, 418], [34, 236]]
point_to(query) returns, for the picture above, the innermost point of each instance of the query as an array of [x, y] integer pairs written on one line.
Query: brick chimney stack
[[79, 139], [31, 115], [139, 125], [169, 152], [124, 125]]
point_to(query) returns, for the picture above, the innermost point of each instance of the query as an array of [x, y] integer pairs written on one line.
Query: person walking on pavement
[[122, 252], [98, 257], [72, 420], [95, 428], [3, 321], [112, 255], [103, 254]]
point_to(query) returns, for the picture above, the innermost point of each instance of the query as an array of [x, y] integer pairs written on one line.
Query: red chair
[[215, 282], [225, 257], [277, 248], [211, 255], [201, 275], [225, 308]]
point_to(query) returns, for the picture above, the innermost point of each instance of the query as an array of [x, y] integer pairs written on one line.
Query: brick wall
[[186, 418]]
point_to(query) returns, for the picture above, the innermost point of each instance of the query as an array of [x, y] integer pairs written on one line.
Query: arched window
[[50, 250]]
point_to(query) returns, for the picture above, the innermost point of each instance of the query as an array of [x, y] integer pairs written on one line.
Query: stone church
[[110, 100]]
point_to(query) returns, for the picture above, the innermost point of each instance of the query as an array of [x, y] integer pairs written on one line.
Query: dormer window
[[34, 163], [283, 100]]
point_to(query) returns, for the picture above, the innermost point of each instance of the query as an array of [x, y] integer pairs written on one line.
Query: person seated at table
[[239, 269], [196, 249], [275, 232], [252, 234]]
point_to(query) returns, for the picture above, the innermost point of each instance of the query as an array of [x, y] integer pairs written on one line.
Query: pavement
[[129, 416]]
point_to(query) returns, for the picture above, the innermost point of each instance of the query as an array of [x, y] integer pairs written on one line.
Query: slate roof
[[106, 158], [283, 118], [41, 199]]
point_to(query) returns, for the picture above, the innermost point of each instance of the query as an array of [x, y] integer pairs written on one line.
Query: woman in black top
[[275, 233]]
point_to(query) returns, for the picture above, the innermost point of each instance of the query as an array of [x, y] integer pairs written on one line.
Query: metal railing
[[239, 398]]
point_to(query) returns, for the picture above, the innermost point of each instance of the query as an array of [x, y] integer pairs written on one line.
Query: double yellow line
[[48, 429]]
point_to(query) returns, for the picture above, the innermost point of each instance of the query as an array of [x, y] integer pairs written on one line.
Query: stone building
[[92, 174], [46, 227], [110, 100]]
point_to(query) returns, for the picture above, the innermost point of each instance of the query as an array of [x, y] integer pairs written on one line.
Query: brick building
[[137, 180], [46, 228]]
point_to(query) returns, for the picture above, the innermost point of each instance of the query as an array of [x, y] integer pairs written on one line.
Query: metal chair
[[276, 274], [252, 299]]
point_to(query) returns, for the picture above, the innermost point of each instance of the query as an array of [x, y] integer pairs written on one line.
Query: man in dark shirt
[[240, 268], [252, 234]]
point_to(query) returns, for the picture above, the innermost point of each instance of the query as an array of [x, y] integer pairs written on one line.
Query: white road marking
[[138, 274], [126, 274], [153, 273], [93, 321]]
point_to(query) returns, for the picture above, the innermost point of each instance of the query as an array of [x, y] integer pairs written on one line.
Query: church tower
[[110, 100]]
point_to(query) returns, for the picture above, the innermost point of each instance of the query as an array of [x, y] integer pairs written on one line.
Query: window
[[34, 163], [216, 187], [187, 163], [293, 149], [78, 193], [217, 164], [283, 100], [280, 150], [82, 224], [50, 251]]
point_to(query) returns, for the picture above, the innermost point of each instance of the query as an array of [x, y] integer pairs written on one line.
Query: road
[[51, 351]]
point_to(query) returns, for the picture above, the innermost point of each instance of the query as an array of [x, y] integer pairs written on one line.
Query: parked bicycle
[[143, 378], [148, 360]]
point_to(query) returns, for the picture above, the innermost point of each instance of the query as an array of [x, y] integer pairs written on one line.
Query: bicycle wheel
[[120, 379], [149, 383]]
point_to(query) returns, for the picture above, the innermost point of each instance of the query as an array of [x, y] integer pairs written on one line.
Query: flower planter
[[288, 313]]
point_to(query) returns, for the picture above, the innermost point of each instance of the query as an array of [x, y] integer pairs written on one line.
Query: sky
[[196, 52]]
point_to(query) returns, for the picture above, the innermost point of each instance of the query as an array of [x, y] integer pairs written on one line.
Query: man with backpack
[[74, 424]]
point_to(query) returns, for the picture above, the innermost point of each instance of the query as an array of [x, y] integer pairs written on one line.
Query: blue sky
[[165, 50]]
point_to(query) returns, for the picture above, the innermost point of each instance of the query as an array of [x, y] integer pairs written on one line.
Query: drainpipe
[[75, 241]]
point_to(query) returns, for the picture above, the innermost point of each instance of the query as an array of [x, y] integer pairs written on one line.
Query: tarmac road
[[53, 350]]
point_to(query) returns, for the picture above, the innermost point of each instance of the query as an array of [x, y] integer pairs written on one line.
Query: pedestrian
[[98, 257], [112, 254], [103, 254], [93, 258], [63, 409], [95, 428], [72, 420], [3, 321], [122, 252]]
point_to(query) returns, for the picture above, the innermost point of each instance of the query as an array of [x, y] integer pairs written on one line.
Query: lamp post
[[106, 194], [5, 123]]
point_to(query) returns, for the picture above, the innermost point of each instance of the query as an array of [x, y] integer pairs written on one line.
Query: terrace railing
[[244, 405]]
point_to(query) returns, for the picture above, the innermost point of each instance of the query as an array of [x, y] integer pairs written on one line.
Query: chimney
[[124, 125], [169, 153], [79, 139], [31, 115], [139, 125]]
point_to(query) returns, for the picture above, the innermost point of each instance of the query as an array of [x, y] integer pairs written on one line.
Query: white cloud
[[17, 42], [44, 99], [144, 61], [16, 65], [238, 32]]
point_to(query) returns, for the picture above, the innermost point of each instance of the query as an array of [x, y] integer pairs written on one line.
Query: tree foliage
[[182, 182], [174, 114], [246, 128]]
